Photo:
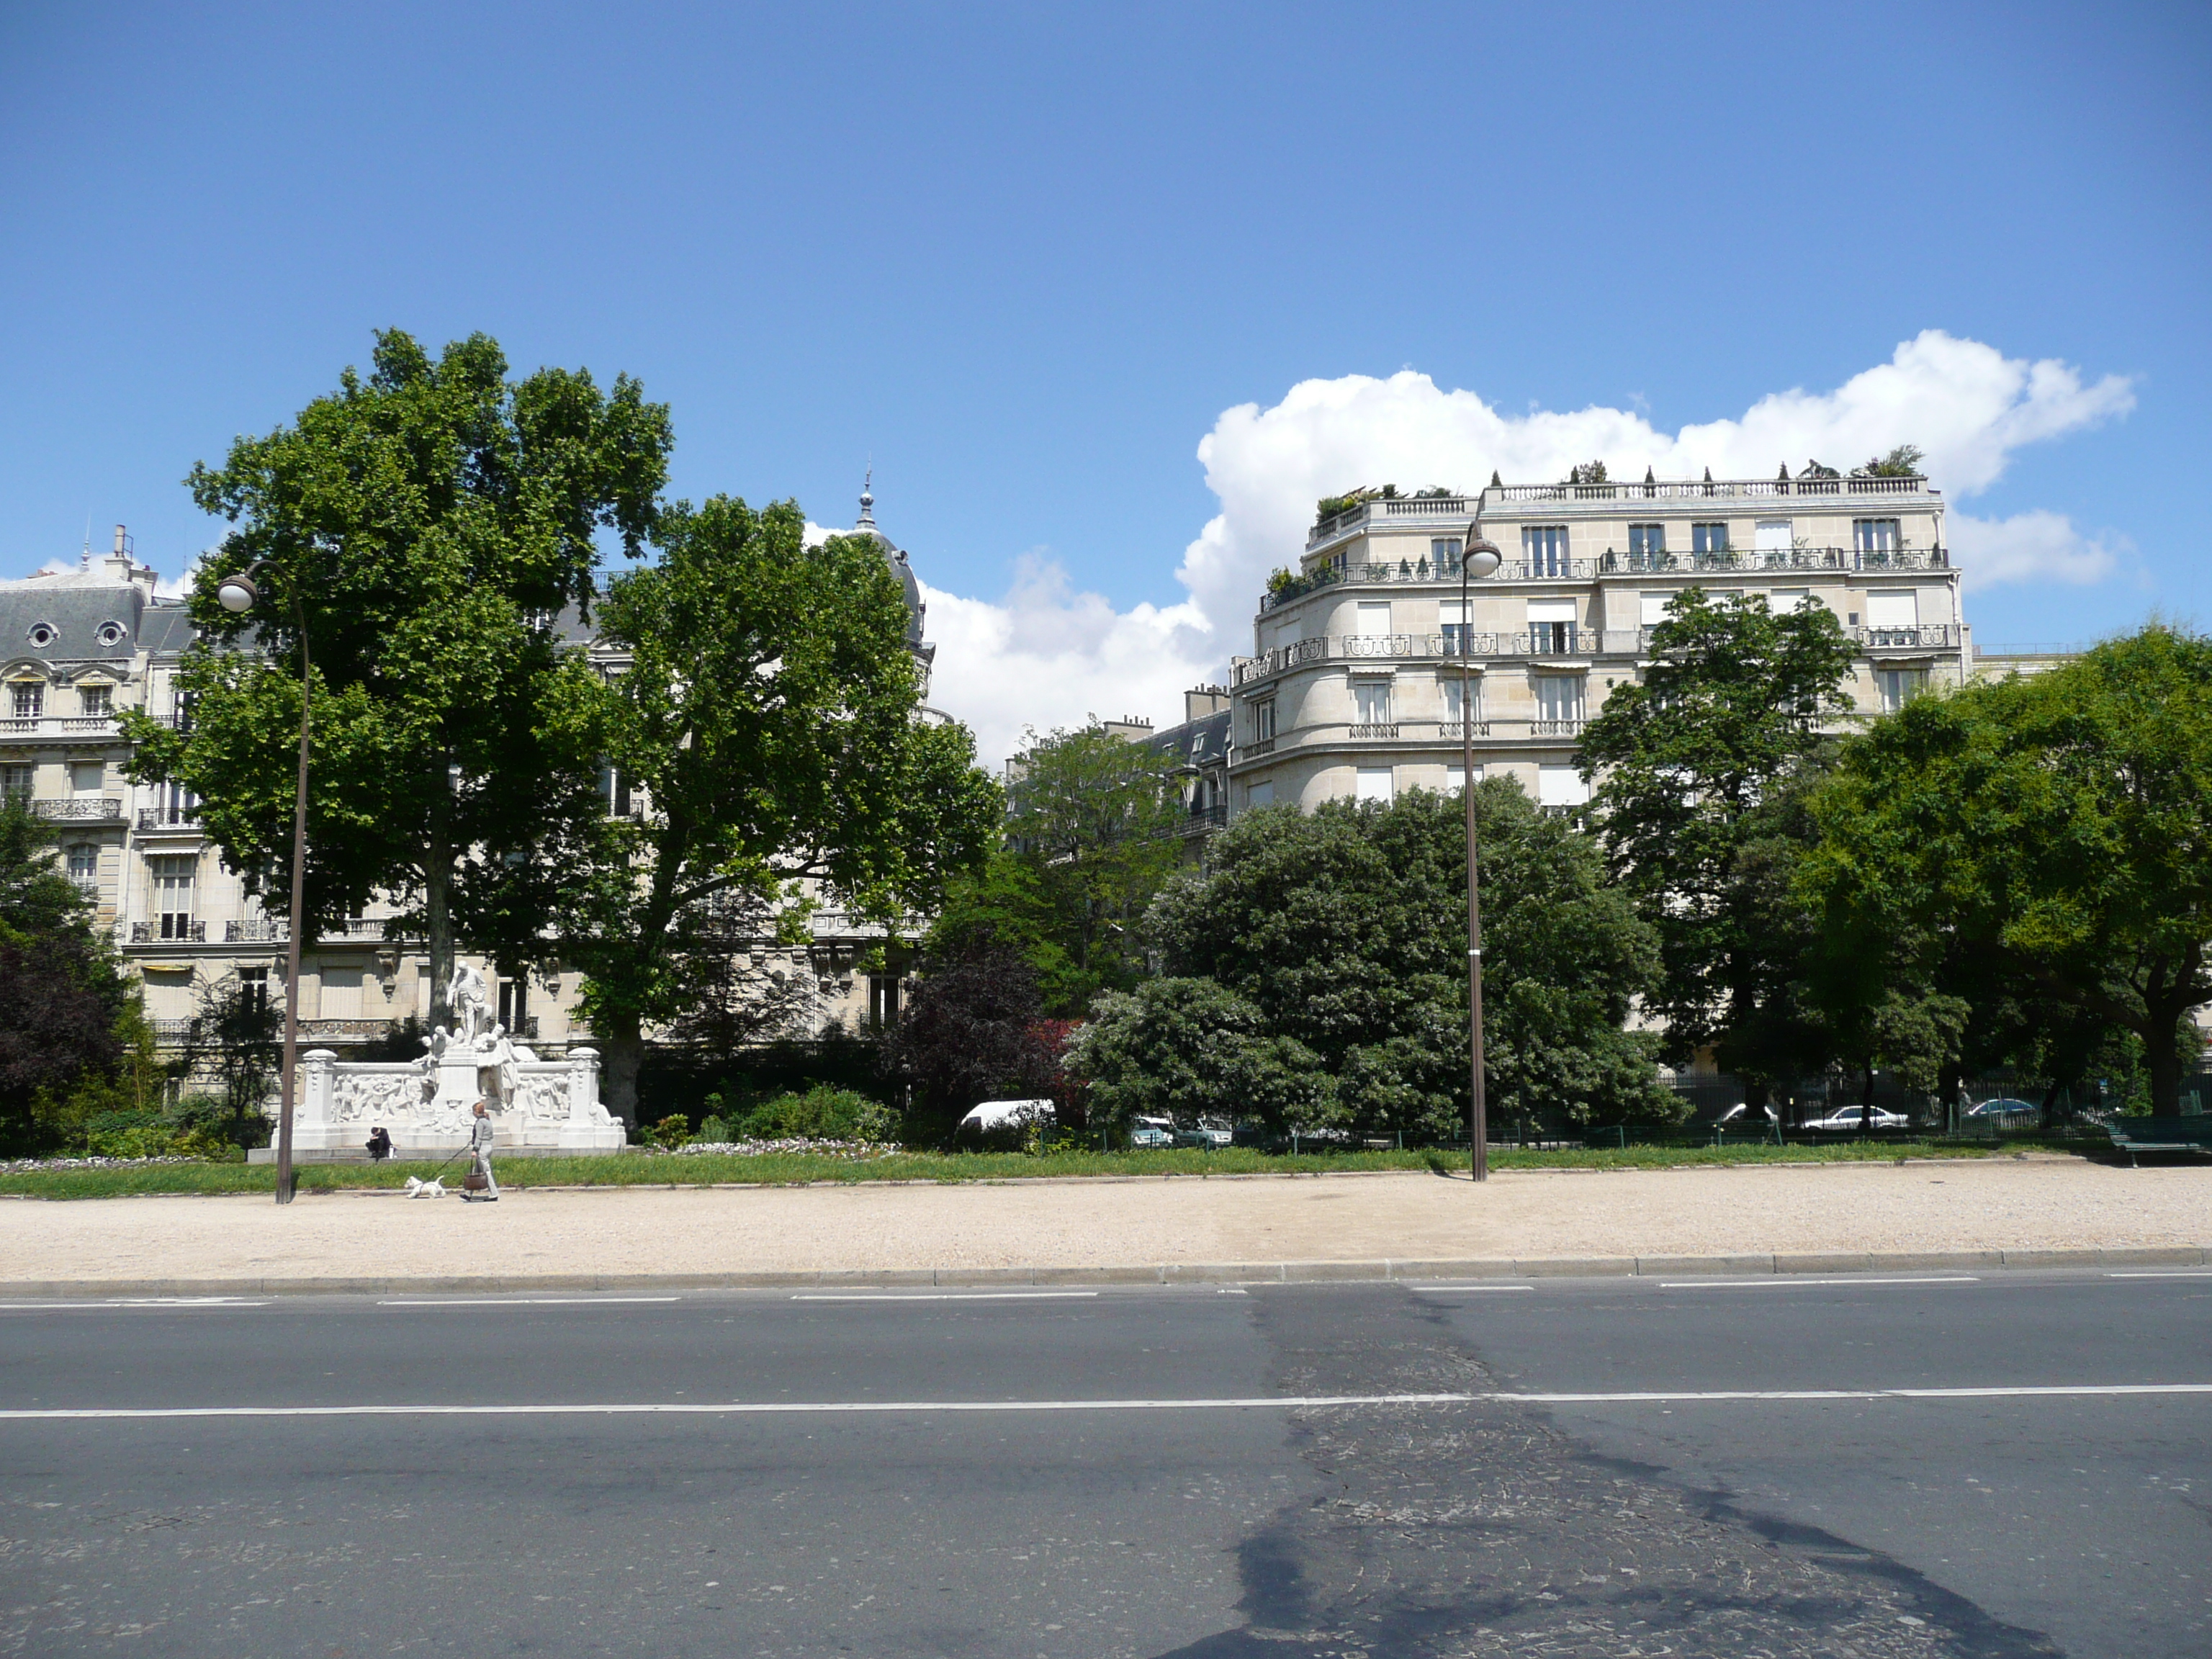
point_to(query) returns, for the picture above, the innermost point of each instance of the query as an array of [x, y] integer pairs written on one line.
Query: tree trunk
[[437, 882], [2050, 1105], [2163, 1056], [1866, 1105], [621, 1052]]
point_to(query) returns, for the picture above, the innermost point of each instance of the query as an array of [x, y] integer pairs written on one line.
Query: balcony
[[1935, 636], [57, 725], [1205, 820], [82, 809], [1709, 489], [1738, 560], [1372, 731], [258, 930], [1443, 510], [178, 932], [179, 820]]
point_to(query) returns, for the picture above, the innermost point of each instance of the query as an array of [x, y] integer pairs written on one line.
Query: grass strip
[[800, 1168]]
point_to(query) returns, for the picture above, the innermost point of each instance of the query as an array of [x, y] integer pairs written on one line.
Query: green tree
[[235, 1033], [70, 1028], [1699, 772], [770, 712], [1188, 1048], [2053, 825], [1345, 929], [1095, 819], [425, 526]]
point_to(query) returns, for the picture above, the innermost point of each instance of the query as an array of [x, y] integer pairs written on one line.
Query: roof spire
[[868, 500]]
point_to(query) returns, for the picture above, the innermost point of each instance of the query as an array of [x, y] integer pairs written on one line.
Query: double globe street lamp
[[238, 594], [1477, 558]]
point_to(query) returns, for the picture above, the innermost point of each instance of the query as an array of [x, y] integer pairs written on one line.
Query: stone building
[[1366, 662], [81, 643]]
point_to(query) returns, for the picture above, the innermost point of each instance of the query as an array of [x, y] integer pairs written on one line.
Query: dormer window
[[110, 633], [96, 701], [41, 636], [27, 699]]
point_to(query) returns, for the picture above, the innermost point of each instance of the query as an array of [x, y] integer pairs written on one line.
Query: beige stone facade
[[1355, 684]]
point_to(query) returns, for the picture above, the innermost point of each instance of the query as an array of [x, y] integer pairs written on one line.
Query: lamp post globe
[[237, 594], [1482, 556]]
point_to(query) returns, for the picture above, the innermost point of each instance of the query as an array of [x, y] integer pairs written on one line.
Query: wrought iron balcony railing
[[81, 809]]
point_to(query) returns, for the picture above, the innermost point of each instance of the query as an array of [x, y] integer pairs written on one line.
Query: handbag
[[474, 1181]]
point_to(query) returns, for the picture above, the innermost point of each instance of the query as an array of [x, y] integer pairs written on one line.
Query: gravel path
[[1950, 1205]]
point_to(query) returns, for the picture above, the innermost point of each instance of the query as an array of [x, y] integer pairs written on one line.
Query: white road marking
[[163, 1302], [1786, 1282], [523, 1301], [1427, 1290], [941, 1295], [1252, 1402], [2181, 1273]]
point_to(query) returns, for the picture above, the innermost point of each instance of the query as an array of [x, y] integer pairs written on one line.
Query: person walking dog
[[480, 1144]]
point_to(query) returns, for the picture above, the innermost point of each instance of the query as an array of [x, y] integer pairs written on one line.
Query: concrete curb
[[1781, 1264]]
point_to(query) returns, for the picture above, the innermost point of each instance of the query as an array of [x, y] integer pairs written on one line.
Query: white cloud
[[1047, 655], [2037, 546]]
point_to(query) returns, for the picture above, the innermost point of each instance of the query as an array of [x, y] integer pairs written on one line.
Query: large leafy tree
[[1345, 929], [1700, 770], [2054, 830], [68, 1017], [425, 526], [769, 717], [1093, 824]]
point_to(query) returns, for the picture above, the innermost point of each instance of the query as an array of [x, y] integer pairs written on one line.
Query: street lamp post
[[238, 594], [1478, 558]]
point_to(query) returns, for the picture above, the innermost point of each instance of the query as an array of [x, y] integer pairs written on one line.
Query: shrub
[[671, 1132], [821, 1114], [714, 1131]]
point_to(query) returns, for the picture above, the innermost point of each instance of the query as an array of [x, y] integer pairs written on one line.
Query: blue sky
[[1026, 257]]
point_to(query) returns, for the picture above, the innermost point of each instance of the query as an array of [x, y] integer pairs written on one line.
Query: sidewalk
[[1742, 1219]]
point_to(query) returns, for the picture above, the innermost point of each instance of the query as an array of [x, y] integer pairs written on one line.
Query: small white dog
[[419, 1188]]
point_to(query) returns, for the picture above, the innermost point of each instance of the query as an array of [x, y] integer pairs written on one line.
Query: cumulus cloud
[[1048, 655], [2037, 546]]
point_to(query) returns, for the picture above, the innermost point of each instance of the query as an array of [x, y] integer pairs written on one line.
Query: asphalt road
[[1118, 1471]]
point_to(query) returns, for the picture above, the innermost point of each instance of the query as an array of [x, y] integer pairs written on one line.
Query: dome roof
[[900, 567]]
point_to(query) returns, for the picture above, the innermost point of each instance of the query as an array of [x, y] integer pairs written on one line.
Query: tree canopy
[[425, 527], [2053, 829], [767, 719], [1699, 772], [1342, 933]]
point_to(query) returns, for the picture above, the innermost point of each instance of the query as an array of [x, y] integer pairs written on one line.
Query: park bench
[[2161, 1134]]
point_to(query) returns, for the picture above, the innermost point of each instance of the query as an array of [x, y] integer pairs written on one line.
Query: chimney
[[1203, 700]]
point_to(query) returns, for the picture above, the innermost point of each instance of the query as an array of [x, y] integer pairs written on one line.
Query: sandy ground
[[1997, 1205]]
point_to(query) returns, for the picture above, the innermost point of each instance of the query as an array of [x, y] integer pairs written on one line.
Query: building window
[[1647, 546], [1374, 621], [1898, 686], [1893, 618], [1560, 788], [1373, 784], [1263, 720], [172, 895], [1544, 547], [174, 804], [182, 719], [1651, 609], [1558, 704], [93, 701], [515, 1006], [1370, 702], [1453, 615], [882, 1000], [1709, 539], [1260, 794], [1773, 536], [254, 989], [1456, 777], [1444, 552], [15, 782], [1876, 535], [1551, 625], [84, 867], [616, 788], [29, 700], [1461, 693]]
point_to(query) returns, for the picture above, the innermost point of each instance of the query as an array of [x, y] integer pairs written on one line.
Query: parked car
[[1153, 1132], [1738, 1117], [1004, 1122], [1989, 1109], [1847, 1117], [1207, 1135]]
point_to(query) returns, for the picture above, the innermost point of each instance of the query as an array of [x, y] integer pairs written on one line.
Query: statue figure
[[467, 993]]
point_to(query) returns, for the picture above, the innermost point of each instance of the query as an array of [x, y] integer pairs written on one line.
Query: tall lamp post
[[1478, 558], [238, 594]]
